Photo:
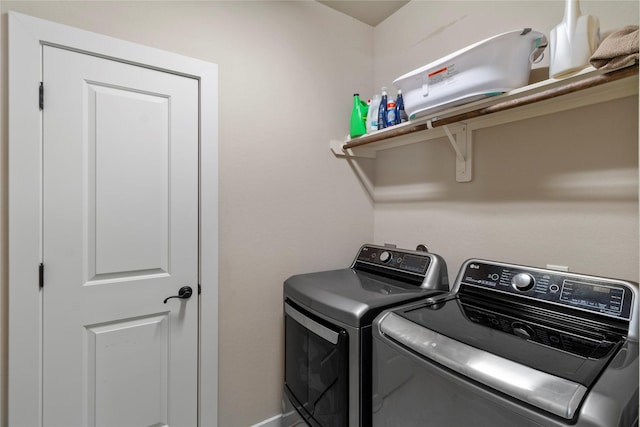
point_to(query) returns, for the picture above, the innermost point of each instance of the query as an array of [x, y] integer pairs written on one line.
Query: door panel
[[134, 393], [130, 215], [120, 233]]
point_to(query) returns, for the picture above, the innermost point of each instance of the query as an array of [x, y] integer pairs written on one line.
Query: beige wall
[[559, 189], [287, 74]]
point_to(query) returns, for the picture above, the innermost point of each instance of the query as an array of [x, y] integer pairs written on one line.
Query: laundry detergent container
[[490, 67]]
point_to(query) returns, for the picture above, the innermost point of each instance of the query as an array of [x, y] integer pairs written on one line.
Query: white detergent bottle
[[372, 115], [573, 41]]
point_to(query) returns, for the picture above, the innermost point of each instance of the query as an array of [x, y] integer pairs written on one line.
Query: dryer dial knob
[[385, 256], [523, 281]]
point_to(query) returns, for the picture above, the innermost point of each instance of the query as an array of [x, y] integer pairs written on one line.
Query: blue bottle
[[392, 118], [382, 110], [401, 115]]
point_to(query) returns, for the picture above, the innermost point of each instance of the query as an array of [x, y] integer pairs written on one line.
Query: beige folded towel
[[620, 48]]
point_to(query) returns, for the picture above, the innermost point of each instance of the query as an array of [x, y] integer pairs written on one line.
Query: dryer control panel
[[414, 268], [613, 298], [393, 258]]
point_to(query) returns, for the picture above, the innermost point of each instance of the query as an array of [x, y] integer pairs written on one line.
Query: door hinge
[[41, 96], [41, 276]]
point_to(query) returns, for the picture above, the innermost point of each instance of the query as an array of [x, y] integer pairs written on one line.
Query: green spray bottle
[[358, 117]]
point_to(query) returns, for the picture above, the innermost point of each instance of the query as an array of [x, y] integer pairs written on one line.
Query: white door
[[120, 229]]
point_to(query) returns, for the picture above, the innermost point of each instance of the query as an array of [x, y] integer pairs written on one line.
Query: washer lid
[[549, 341], [350, 296], [549, 392]]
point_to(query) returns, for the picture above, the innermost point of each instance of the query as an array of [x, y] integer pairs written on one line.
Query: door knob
[[184, 292]]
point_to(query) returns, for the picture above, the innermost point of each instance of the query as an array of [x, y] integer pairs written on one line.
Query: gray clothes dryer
[[328, 319]]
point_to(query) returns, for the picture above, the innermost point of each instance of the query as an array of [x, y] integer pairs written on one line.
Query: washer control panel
[[395, 259], [609, 297]]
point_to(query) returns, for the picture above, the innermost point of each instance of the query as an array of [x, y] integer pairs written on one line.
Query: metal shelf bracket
[[459, 136], [461, 142]]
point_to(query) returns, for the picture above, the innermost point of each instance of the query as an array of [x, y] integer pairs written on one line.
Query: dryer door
[[316, 372]]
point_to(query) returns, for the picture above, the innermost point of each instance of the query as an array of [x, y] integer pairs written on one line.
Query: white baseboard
[[271, 422]]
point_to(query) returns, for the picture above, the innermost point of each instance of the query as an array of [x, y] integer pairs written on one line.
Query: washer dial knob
[[523, 331], [523, 282], [385, 256]]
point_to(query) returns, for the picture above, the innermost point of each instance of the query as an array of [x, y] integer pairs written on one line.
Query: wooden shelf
[[457, 124]]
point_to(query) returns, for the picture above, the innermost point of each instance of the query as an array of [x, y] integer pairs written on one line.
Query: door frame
[[27, 35]]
